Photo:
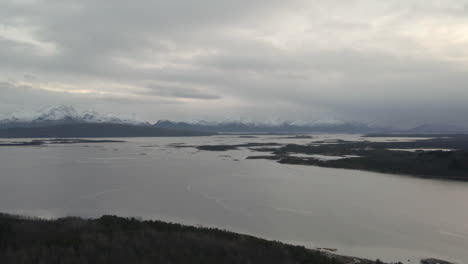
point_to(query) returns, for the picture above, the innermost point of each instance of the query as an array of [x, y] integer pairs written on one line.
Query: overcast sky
[[394, 62]]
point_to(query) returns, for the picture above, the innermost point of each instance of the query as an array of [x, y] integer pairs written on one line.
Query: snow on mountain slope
[[245, 126], [272, 123], [266, 123], [63, 114], [56, 113]]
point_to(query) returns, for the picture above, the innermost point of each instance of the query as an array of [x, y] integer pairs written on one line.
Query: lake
[[366, 214]]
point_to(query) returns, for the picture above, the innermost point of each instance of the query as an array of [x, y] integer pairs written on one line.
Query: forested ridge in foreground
[[112, 239]]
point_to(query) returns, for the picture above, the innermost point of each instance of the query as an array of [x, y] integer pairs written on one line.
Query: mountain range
[[53, 121], [438, 128], [62, 114], [64, 121], [283, 127]]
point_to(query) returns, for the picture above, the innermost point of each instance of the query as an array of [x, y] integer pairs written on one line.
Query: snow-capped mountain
[[245, 126], [62, 114], [273, 122]]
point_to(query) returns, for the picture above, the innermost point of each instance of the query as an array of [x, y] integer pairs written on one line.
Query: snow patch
[[64, 113]]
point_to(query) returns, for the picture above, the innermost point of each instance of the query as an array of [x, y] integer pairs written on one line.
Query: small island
[[441, 157], [45, 142]]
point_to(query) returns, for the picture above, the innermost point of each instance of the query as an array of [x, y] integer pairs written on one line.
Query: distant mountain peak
[[55, 113], [438, 128]]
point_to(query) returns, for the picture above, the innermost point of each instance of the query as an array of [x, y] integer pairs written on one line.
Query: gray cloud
[[179, 92], [389, 62]]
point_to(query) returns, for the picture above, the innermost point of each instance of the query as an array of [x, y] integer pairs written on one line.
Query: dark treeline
[[449, 165], [112, 239]]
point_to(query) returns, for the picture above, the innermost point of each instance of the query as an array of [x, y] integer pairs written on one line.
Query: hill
[[112, 239]]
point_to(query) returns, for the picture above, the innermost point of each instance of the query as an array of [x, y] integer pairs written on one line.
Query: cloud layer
[[387, 62]]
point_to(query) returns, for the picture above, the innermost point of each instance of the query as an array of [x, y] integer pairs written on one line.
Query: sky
[[394, 62]]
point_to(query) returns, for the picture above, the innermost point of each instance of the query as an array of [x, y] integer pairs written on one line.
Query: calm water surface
[[359, 213]]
